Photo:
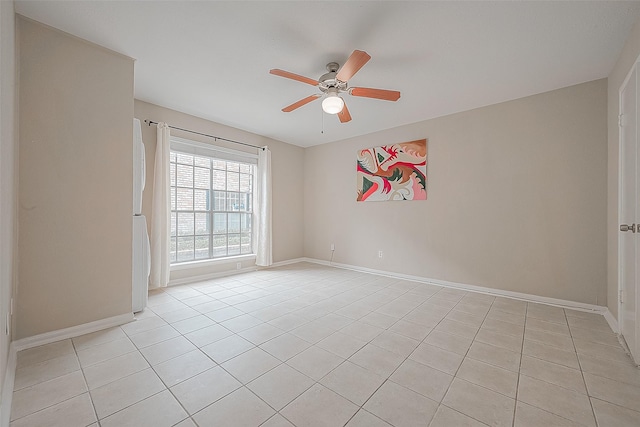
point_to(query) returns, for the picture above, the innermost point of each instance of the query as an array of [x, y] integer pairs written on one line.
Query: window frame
[[200, 149]]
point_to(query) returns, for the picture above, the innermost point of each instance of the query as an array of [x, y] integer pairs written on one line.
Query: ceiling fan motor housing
[[328, 80]]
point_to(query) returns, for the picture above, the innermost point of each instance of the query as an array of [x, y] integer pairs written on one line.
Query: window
[[211, 203]]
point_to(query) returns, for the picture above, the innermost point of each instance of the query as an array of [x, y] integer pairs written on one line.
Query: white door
[[629, 216]]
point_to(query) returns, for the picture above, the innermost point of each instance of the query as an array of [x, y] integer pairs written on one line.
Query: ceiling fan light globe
[[332, 104]]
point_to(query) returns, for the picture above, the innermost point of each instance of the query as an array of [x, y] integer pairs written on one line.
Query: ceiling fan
[[335, 82]]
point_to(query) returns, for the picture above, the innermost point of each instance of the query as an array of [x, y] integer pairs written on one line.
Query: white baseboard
[[74, 331], [574, 305], [7, 387], [613, 323], [209, 276], [473, 288], [287, 262]]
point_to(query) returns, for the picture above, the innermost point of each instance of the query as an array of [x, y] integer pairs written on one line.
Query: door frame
[[634, 67]]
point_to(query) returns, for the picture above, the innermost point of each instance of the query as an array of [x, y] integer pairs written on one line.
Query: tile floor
[[307, 345]]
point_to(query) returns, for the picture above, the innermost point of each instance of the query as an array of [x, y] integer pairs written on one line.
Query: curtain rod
[[151, 122]]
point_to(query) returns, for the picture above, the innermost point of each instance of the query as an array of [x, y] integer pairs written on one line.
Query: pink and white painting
[[393, 172]]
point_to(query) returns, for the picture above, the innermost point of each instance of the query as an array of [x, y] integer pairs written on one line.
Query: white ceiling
[[212, 59]]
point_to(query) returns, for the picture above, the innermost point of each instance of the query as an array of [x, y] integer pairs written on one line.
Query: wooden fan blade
[[292, 76], [300, 103], [367, 92], [356, 61], [344, 115]]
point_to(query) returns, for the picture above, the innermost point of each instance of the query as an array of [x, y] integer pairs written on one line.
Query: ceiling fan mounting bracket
[[332, 67]]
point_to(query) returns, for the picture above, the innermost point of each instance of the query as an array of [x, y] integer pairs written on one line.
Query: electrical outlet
[[333, 247], [379, 254], [238, 266]]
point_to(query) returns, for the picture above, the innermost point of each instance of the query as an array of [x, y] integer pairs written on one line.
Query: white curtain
[[161, 211], [263, 223]]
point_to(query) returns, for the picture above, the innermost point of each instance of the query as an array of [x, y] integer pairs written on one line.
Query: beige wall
[[627, 58], [516, 199], [287, 166], [75, 181], [8, 150]]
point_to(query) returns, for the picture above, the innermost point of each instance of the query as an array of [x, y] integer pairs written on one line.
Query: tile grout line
[[129, 406], [221, 367], [93, 406], [547, 382], [241, 383], [150, 366], [407, 358], [55, 378], [264, 373], [360, 407], [524, 331], [51, 406], [340, 364], [43, 362], [126, 376], [167, 388], [593, 411], [484, 318]]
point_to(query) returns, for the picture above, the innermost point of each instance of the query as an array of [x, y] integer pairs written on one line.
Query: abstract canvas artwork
[[393, 172]]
